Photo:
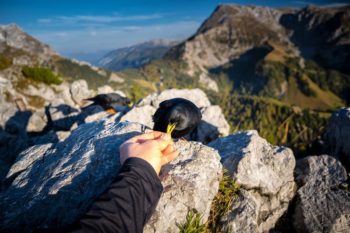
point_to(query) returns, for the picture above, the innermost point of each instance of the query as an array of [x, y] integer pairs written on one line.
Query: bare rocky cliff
[[232, 30]]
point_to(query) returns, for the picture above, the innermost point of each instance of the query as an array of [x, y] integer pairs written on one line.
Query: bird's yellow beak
[[130, 104], [170, 128]]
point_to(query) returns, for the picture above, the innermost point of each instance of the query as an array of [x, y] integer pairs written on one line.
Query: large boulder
[[61, 116], [42, 90], [338, 134], [63, 92], [52, 185], [190, 183], [79, 91], [265, 175], [108, 89], [197, 96], [37, 122], [213, 122], [10, 146], [323, 199]]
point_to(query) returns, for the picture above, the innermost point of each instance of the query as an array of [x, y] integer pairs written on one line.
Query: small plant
[[193, 224], [41, 75], [222, 202], [5, 62]]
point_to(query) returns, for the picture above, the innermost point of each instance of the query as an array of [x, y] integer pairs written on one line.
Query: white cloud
[[111, 37], [83, 19]]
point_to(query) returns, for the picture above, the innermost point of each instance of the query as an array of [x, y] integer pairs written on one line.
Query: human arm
[[131, 199]]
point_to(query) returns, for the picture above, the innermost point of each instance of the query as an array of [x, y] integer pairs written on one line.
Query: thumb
[[164, 141]]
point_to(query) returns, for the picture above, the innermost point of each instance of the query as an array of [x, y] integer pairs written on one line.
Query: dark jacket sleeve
[[128, 204]]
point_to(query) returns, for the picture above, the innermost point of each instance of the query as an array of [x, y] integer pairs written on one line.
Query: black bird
[[110, 102], [177, 117]]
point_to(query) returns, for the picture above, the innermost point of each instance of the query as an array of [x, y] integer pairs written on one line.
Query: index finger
[[147, 136]]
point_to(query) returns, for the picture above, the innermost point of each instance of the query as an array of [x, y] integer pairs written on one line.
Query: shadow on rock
[[89, 158], [61, 120]]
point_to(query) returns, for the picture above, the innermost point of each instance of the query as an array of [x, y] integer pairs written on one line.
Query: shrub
[[41, 75], [73, 71], [5, 62]]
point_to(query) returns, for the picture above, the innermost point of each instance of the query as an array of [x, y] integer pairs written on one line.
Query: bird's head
[[177, 117]]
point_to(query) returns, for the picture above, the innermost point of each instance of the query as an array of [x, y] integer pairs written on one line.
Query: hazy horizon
[[93, 28]]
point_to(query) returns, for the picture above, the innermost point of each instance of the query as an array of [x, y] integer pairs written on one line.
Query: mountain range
[[135, 56], [280, 71], [299, 56]]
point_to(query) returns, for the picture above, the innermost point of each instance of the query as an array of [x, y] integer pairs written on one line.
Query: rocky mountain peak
[[232, 30], [231, 14], [13, 36], [229, 32]]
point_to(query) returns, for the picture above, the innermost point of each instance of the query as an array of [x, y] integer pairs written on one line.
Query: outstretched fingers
[[166, 158], [147, 136]]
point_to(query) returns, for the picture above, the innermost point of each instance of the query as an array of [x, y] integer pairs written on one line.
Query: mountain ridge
[[135, 56], [230, 38], [257, 73]]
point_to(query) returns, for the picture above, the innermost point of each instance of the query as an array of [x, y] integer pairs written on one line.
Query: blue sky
[[77, 27]]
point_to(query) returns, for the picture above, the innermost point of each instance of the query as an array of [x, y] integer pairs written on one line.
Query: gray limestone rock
[[265, 174], [61, 115], [37, 122], [338, 134], [323, 200], [197, 96], [190, 183], [213, 123], [108, 89], [62, 91], [7, 110], [53, 184], [140, 114], [79, 91], [61, 180]]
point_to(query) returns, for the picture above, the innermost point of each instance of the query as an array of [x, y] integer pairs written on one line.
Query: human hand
[[154, 147]]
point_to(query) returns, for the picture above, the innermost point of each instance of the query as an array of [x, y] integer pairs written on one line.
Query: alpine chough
[[110, 102], [177, 117]]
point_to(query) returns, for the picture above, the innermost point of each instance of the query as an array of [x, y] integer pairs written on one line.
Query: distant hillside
[[269, 52], [20, 50], [135, 56], [268, 77], [281, 71]]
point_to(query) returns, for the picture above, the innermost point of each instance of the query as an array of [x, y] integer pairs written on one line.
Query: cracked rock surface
[[265, 174]]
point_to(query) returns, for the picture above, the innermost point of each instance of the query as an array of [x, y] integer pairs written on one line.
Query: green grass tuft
[[193, 224], [5, 62], [39, 74], [222, 202]]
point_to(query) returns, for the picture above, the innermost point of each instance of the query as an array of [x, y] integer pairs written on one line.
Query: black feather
[[110, 100], [183, 112]]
